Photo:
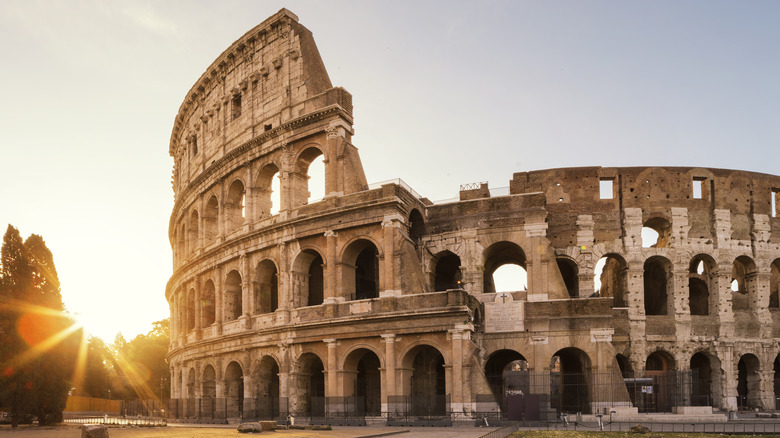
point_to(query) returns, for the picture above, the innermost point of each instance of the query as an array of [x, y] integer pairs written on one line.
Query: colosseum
[[375, 304]]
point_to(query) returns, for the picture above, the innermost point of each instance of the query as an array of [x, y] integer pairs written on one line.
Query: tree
[[41, 341], [142, 364]]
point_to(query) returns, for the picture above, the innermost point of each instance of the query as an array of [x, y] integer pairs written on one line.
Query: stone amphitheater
[[374, 302]]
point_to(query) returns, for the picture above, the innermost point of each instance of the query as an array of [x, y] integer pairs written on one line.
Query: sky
[[445, 93]]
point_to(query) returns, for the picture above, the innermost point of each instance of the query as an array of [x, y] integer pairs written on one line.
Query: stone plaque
[[504, 315]]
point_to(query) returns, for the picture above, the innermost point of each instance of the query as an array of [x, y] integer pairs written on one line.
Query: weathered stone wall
[[381, 279]]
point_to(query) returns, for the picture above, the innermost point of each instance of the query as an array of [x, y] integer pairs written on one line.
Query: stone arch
[[425, 380], [265, 379], [658, 285], [416, 225], [190, 310], [263, 194], [570, 274], [497, 255], [234, 390], [211, 220], [266, 287], [569, 380], [308, 279], [659, 366], [360, 269], [209, 382], [234, 205], [612, 279], [749, 382], [507, 374], [661, 226], [300, 175], [774, 284], [192, 236], [307, 384], [776, 380], [233, 299], [362, 380], [207, 304], [743, 285], [706, 389], [701, 279], [192, 384], [446, 272], [182, 241]]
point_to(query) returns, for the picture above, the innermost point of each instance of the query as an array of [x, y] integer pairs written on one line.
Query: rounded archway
[[210, 220], [447, 273], [569, 381], [610, 279], [234, 206], [659, 367], [362, 382], [360, 270], [207, 311], [233, 301], [702, 391], [508, 376], [569, 272], [234, 390], [748, 382], [427, 382], [701, 272], [504, 256], [658, 282], [743, 283], [266, 287], [266, 383], [308, 386], [308, 280]]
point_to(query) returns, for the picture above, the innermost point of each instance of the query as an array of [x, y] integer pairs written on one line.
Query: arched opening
[[416, 226], [266, 193], [504, 268], [360, 271], [303, 188], [316, 173], [447, 273], [266, 381], [656, 233], [233, 305], [308, 390], [626, 370], [569, 272], [658, 281], [191, 384], [308, 281], [183, 242], [362, 382], [658, 367], [776, 369], [508, 377], [700, 277], [234, 206], [569, 391], [210, 216], [266, 287], [234, 390], [743, 283], [748, 382], [610, 279], [702, 385], [207, 313], [209, 384], [427, 388], [774, 285], [190, 311], [193, 233]]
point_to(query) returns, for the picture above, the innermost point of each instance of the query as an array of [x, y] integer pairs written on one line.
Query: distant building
[[375, 301]]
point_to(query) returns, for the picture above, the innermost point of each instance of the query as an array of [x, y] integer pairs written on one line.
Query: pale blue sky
[[445, 93]]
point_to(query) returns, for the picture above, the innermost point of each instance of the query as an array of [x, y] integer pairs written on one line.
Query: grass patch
[[595, 434]]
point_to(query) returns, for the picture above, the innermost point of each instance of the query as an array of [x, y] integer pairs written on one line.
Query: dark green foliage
[[34, 372], [145, 354]]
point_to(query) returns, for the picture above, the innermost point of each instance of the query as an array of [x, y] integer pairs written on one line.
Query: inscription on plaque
[[504, 315]]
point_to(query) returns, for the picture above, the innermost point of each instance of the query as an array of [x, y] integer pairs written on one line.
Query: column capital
[[389, 338]]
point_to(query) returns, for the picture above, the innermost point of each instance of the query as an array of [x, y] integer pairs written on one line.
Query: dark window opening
[[447, 275], [235, 107], [568, 271], [316, 282], [367, 274], [606, 188]]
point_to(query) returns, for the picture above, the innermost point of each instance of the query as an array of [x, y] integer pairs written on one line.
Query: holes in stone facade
[[606, 188], [207, 301], [568, 269], [233, 296], [504, 268], [658, 281], [447, 272], [656, 233], [610, 279], [266, 286]]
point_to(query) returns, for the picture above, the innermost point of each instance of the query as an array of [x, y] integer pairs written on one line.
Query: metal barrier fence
[[729, 428]]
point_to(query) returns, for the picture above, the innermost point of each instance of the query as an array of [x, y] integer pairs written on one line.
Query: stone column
[[681, 303], [457, 335], [219, 298], [389, 388], [246, 289], [331, 371], [388, 280], [198, 308], [330, 275], [722, 289], [333, 162]]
